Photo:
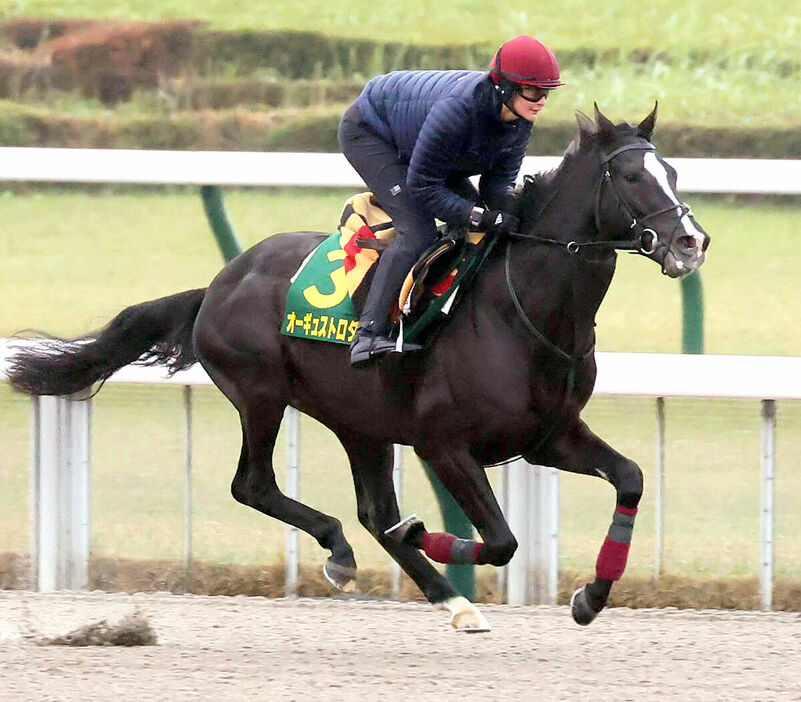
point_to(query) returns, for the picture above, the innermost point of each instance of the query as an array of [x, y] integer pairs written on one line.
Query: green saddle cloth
[[319, 307]]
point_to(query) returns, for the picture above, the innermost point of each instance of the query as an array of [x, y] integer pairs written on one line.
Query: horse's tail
[[159, 331]]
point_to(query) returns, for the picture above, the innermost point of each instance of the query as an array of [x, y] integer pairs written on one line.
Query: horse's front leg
[[581, 451], [466, 479]]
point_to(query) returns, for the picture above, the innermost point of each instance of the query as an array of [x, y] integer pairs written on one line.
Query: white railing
[[696, 175], [60, 447]]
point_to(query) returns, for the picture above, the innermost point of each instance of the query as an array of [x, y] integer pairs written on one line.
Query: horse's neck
[[566, 207], [560, 293]]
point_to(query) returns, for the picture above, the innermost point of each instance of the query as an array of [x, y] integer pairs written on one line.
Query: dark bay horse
[[508, 376]]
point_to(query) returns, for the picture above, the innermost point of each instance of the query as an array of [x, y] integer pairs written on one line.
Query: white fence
[[696, 175], [59, 477]]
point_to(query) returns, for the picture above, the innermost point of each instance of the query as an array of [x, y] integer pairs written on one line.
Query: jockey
[[415, 137]]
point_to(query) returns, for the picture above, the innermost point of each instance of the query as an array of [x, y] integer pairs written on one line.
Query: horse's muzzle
[[683, 254]]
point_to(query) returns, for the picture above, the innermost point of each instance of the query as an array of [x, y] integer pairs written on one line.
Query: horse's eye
[[631, 177]]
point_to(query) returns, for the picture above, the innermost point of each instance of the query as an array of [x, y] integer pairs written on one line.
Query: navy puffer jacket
[[447, 124]]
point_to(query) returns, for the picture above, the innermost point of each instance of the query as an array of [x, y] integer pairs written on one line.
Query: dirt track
[[252, 648]]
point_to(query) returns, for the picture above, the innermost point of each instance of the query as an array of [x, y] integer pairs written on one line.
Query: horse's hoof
[[580, 608], [341, 577], [470, 623], [465, 617]]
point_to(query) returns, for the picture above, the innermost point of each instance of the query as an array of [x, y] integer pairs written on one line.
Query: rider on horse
[[415, 137]]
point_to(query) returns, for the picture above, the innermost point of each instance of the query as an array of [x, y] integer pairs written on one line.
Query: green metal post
[[692, 296], [215, 213], [462, 577]]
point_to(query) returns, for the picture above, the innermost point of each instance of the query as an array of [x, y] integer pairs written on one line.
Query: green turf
[[688, 94], [701, 24], [712, 54]]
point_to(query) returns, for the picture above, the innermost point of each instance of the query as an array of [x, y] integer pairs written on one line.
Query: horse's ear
[[605, 128], [586, 125], [646, 127]]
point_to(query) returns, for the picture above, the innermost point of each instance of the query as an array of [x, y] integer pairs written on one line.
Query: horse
[[507, 376]]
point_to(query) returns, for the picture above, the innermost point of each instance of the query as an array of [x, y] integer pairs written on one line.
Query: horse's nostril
[[688, 243]]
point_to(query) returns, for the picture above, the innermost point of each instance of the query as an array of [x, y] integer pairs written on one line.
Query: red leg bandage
[[447, 548], [612, 560], [615, 551]]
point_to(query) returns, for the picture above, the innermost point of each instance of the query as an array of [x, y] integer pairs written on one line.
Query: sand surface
[[222, 648]]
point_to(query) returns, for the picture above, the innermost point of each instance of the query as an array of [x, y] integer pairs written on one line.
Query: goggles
[[533, 93]]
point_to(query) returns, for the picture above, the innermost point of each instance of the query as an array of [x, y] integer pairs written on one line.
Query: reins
[[544, 340], [571, 361], [636, 244]]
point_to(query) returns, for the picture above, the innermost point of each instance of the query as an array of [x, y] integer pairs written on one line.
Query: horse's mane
[[537, 188], [529, 197]]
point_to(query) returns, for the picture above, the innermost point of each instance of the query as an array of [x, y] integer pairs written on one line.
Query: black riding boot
[[373, 335], [369, 343]]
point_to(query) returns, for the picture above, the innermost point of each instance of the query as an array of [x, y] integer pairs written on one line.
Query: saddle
[[347, 260]]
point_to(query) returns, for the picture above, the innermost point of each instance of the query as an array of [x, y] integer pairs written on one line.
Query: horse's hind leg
[[371, 464], [581, 451], [254, 485]]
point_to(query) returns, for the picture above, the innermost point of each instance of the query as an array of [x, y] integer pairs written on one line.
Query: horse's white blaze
[[659, 172], [464, 615]]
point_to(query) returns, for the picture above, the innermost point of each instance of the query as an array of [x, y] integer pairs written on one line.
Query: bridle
[[636, 244], [644, 241]]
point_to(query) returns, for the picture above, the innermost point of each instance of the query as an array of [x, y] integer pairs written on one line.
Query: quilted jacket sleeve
[[497, 184], [443, 136]]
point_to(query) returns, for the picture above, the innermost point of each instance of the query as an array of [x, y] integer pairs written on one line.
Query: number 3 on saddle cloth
[[329, 288]]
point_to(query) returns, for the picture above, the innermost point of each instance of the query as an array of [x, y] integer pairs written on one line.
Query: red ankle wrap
[[447, 548], [612, 560], [615, 551]]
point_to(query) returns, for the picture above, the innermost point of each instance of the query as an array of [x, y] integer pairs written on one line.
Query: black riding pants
[[382, 169]]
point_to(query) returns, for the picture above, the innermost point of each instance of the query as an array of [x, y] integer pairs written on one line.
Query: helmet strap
[[507, 91]]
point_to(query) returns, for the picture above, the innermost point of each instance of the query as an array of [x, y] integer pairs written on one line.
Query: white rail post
[[546, 527], [660, 487], [60, 493], [517, 509], [187, 479], [767, 516], [502, 493], [292, 417], [397, 480], [532, 511]]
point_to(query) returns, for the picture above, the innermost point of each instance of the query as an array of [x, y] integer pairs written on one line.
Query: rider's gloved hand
[[492, 221]]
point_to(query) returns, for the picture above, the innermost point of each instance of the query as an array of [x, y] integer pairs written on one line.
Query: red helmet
[[526, 61]]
